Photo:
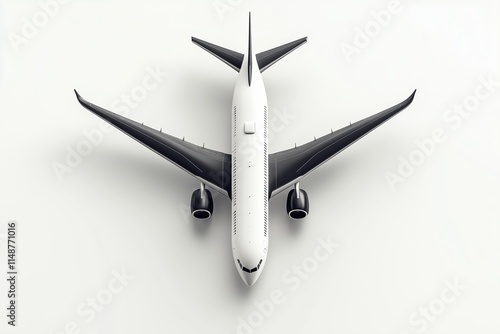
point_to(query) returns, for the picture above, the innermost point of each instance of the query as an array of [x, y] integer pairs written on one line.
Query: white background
[[124, 208]]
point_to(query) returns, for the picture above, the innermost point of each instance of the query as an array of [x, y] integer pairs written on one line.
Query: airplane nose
[[250, 279], [250, 275]]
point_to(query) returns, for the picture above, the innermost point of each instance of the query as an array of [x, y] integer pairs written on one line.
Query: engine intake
[[297, 203], [202, 204]]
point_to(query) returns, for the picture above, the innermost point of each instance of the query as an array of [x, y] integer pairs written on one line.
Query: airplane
[[249, 178]]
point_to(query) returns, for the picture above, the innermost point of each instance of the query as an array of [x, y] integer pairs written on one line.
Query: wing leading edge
[[208, 166], [289, 166]]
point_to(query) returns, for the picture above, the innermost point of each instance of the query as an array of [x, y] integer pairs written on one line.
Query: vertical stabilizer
[[250, 54]]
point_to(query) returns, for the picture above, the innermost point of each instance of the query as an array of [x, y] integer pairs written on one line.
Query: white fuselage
[[249, 173]]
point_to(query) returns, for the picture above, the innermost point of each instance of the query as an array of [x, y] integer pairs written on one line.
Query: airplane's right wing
[[289, 166], [209, 166]]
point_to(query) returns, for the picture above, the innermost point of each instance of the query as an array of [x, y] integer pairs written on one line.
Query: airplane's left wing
[[289, 166], [208, 166]]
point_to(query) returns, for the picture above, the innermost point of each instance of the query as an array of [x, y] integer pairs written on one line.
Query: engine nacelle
[[202, 204], [297, 203]]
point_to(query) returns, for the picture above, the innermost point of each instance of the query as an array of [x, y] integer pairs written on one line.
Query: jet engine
[[297, 203], [202, 204]]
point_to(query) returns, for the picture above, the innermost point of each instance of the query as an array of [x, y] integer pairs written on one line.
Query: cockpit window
[[245, 269]]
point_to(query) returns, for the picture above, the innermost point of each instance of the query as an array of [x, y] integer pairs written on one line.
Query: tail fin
[[267, 58], [250, 54], [230, 57]]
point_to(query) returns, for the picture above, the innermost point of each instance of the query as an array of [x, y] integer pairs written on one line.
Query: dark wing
[[208, 166], [289, 166]]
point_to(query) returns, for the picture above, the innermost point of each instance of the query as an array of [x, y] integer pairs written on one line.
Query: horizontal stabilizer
[[267, 58], [230, 57]]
